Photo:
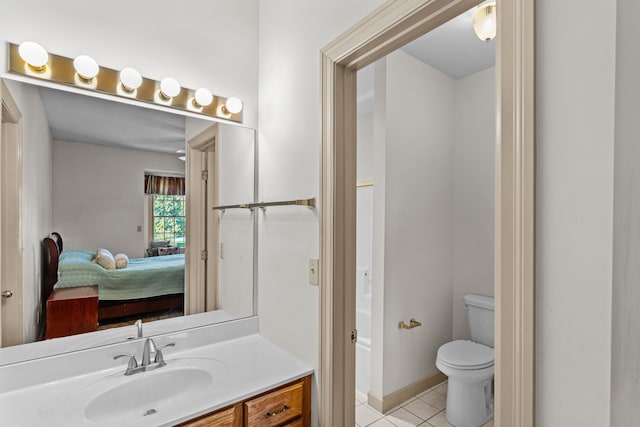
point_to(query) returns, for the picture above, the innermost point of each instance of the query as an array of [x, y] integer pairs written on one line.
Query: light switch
[[314, 274], [139, 228]]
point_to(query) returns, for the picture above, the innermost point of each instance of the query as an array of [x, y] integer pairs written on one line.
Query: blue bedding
[[142, 278]]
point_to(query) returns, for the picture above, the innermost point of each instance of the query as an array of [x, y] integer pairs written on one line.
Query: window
[[169, 219]]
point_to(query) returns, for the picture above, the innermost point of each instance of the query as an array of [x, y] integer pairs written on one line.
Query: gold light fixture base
[[60, 69]]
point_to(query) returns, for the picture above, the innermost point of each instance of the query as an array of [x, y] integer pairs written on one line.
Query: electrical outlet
[[314, 274]]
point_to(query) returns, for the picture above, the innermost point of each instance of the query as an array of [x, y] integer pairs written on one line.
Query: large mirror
[[105, 175]]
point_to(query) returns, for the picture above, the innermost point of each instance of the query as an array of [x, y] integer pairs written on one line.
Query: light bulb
[[203, 97], [86, 67], [484, 21], [169, 87], [34, 55], [233, 105], [130, 79]]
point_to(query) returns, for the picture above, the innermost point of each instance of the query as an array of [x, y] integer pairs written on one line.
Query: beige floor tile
[[421, 408], [366, 415], [439, 420], [442, 388], [403, 418], [435, 399], [383, 422]]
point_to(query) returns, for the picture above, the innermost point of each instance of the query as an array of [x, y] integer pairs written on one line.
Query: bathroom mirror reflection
[[107, 175]]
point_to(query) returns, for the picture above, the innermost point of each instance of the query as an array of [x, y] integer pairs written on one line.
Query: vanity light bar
[[59, 69]]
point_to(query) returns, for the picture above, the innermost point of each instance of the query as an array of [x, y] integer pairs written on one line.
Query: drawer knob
[[278, 412]]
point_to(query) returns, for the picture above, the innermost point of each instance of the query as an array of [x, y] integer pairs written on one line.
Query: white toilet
[[469, 366]]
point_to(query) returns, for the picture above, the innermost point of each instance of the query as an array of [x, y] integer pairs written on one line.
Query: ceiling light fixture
[[203, 97], [130, 79], [31, 60], [169, 87], [233, 105], [484, 21], [86, 67], [34, 55]]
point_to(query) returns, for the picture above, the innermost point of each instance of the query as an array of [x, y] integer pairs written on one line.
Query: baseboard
[[394, 399]]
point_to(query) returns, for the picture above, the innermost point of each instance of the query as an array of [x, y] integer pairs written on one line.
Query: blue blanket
[[142, 278]]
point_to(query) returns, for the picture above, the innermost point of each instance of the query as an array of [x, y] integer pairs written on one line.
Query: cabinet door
[[297, 423], [231, 417], [275, 408]]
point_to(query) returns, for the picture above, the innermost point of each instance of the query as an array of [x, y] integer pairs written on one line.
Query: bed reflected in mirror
[[107, 193]]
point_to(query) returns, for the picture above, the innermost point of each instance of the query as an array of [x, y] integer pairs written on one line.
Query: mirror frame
[[386, 29], [202, 319]]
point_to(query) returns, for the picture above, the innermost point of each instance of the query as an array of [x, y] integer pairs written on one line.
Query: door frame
[[202, 223], [390, 26], [11, 248]]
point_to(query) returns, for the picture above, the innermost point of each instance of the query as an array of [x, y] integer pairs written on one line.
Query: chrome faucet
[[139, 327], [146, 363]]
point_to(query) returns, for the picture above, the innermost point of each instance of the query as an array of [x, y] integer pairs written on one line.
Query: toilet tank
[[480, 317]]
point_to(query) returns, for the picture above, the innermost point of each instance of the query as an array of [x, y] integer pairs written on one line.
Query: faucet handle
[[159, 359], [133, 363]]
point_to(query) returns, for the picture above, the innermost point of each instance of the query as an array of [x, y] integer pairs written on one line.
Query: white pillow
[[159, 243], [104, 258], [121, 260]]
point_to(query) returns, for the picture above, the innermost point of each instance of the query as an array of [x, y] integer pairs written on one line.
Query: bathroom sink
[[119, 399]]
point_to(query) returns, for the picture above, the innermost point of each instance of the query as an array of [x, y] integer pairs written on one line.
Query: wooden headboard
[[54, 246]]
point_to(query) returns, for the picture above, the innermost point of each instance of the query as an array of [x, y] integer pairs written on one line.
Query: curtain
[[164, 185]]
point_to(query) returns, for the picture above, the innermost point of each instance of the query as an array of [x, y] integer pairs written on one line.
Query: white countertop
[[249, 365]]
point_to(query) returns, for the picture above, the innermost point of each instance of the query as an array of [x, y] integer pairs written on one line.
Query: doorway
[[387, 28]]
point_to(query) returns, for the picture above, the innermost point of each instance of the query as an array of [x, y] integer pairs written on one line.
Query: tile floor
[[425, 410]]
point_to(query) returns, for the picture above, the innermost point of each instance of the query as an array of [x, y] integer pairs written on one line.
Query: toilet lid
[[466, 355]]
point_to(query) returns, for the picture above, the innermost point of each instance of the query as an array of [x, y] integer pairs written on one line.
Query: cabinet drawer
[[231, 417], [276, 407], [297, 423]]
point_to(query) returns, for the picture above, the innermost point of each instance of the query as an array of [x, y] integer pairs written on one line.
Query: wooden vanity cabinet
[[229, 417], [285, 406]]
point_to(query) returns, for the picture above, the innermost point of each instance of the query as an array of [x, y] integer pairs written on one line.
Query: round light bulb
[[484, 21], [233, 105], [130, 79], [86, 67], [169, 87], [203, 97], [34, 55]]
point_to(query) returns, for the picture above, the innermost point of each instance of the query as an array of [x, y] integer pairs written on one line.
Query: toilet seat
[[465, 355]]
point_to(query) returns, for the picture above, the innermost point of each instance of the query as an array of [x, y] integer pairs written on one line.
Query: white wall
[[365, 147], [37, 210], [418, 280], [236, 151], [291, 36], [99, 195], [208, 43], [575, 76], [625, 375], [473, 192]]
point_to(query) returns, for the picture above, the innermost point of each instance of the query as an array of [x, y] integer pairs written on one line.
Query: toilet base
[[469, 404]]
